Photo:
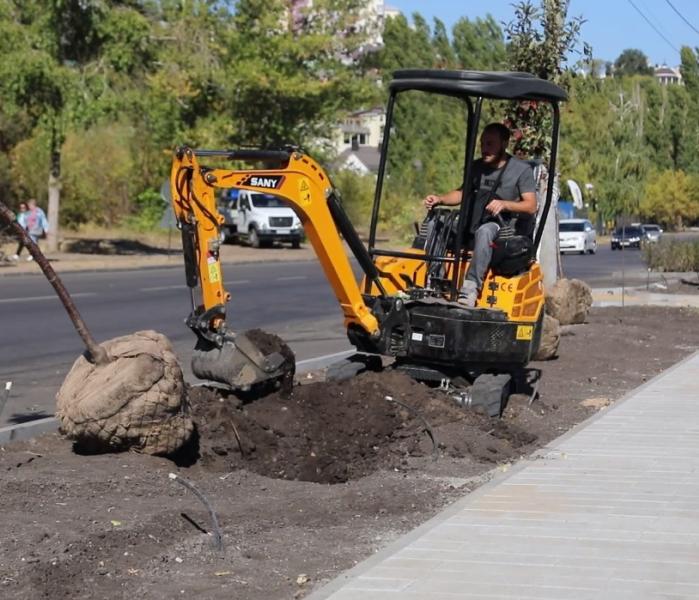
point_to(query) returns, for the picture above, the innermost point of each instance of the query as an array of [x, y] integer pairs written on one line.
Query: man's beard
[[494, 160]]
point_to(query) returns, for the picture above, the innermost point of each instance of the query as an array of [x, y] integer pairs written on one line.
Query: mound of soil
[[338, 431]]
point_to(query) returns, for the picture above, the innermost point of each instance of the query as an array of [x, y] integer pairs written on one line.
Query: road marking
[[164, 287], [294, 278], [51, 297]]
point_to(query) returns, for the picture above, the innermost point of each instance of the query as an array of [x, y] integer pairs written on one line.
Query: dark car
[[630, 236]]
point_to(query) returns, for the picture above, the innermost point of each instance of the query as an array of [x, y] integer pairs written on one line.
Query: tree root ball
[[569, 301], [137, 401], [550, 338]]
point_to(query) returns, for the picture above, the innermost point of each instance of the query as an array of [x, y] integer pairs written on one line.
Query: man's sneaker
[[30, 257], [468, 294], [15, 257]]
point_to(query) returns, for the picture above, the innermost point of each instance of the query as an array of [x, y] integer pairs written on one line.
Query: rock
[[569, 301], [596, 403], [550, 338], [137, 401]]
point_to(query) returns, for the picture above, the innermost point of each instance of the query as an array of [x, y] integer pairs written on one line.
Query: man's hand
[[431, 201], [495, 207]]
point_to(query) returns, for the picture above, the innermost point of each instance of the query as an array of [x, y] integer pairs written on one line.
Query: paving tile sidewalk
[[612, 296], [608, 511]]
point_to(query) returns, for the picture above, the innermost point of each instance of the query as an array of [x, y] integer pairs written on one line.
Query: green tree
[[291, 73], [670, 198], [479, 44], [689, 68], [540, 40], [59, 60], [632, 62], [404, 47], [445, 57]]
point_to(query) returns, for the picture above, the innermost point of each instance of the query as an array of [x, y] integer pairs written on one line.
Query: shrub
[[670, 255], [99, 175], [148, 208], [357, 193]]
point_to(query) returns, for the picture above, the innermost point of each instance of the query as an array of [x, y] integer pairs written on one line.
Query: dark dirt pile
[[338, 431]]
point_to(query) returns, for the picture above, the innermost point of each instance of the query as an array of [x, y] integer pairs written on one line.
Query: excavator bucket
[[245, 361]]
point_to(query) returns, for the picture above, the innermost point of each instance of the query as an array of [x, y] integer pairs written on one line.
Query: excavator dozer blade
[[245, 361]]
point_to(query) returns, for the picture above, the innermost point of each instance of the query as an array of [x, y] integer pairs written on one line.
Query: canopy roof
[[488, 84]]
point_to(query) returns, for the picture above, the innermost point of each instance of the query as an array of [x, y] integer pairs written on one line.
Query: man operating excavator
[[503, 187]]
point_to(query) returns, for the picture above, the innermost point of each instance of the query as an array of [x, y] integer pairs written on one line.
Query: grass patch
[[673, 256]]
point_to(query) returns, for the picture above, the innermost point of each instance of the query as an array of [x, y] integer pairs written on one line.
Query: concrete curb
[[25, 431]]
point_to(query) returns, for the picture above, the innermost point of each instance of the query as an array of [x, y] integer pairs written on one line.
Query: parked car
[[629, 236], [260, 219], [577, 235], [652, 232]]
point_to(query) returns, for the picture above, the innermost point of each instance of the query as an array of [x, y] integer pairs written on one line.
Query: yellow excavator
[[405, 304]]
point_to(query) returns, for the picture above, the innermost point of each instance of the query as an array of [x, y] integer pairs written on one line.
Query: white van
[[260, 219]]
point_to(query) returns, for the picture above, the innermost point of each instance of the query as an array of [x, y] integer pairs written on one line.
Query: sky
[[611, 25]]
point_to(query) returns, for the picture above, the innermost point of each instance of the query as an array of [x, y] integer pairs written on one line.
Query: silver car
[[652, 232], [577, 235]]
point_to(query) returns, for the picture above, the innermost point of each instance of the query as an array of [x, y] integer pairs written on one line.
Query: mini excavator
[[405, 305]]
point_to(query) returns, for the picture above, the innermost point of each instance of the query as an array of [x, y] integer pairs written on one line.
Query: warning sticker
[[304, 191], [525, 332], [214, 273]]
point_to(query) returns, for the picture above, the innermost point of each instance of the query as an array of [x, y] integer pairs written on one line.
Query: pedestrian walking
[[35, 222], [22, 220]]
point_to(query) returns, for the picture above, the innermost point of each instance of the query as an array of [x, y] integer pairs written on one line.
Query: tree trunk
[[548, 254], [54, 193]]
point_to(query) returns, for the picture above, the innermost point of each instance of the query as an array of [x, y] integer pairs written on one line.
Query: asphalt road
[[606, 268], [38, 343], [609, 268]]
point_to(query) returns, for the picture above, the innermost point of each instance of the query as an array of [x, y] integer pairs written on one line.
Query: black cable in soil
[[428, 428], [218, 535]]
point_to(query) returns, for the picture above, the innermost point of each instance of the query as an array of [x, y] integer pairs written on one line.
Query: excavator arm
[[306, 187]]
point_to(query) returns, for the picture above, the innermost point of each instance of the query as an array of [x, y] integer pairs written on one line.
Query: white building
[[370, 20], [357, 140], [667, 75], [361, 128]]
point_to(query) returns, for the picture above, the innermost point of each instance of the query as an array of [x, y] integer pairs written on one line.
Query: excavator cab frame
[[472, 87]]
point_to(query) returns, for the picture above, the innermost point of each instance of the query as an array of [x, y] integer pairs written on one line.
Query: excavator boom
[[306, 187]]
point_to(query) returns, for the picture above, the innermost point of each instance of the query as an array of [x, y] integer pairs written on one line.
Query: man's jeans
[[482, 253]]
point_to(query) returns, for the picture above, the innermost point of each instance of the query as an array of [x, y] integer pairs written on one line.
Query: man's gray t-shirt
[[517, 179]]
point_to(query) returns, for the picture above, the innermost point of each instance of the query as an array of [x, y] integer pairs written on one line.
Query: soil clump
[[338, 431]]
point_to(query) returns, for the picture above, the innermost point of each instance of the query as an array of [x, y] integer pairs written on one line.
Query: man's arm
[[449, 199], [526, 186], [527, 205]]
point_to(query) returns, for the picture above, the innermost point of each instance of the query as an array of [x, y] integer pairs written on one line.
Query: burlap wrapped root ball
[[569, 301], [550, 339], [137, 401]]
